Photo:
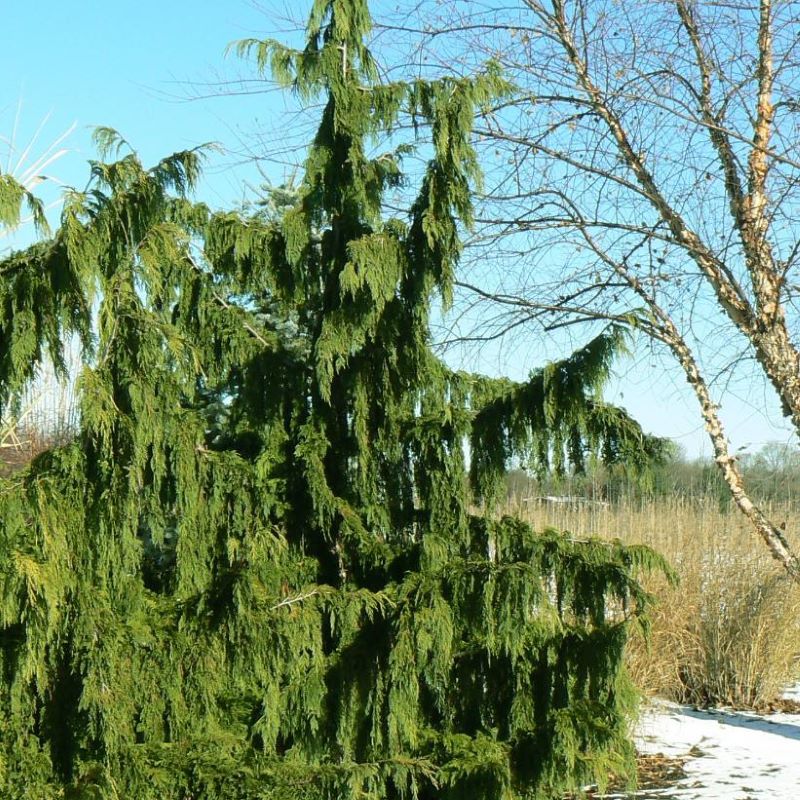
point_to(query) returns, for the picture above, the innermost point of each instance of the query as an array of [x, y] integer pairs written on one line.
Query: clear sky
[[134, 66]]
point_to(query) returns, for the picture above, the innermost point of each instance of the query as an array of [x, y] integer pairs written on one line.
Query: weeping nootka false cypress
[[255, 573]]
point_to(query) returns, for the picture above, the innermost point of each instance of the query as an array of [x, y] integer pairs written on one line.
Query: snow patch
[[730, 755]]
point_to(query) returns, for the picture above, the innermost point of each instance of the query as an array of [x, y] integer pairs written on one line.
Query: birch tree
[[645, 169]]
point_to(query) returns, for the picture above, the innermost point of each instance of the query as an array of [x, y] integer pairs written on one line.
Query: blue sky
[[134, 66]]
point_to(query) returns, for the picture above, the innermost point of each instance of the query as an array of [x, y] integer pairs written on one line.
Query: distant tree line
[[773, 472]]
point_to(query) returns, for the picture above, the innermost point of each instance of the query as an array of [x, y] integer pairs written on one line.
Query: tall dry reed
[[729, 633]]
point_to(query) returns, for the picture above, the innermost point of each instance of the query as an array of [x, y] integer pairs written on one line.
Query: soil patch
[[656, 771]]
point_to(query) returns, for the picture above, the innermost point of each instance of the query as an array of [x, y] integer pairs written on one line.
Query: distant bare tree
[[645, 168]]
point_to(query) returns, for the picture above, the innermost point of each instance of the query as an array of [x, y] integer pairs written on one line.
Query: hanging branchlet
[[14, 197], [555, 420], [42, 301]]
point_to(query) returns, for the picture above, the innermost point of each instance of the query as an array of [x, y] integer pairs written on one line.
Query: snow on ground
[[730, 755]]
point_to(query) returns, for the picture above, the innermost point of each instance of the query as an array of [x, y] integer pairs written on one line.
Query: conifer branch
[[290, 601]]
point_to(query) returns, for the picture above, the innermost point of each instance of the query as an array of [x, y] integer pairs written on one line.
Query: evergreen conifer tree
[[295, 600]]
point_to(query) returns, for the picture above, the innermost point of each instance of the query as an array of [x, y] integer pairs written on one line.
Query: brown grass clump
[[46, 416], [729, 633]]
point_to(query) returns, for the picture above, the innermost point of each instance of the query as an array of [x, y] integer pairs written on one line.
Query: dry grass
[[729, 633], [46, 415]]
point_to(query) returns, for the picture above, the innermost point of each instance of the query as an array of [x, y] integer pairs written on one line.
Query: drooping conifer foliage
[[41, 299], [256, 573]]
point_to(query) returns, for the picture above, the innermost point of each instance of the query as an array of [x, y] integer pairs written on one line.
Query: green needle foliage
[[13, 198], [41, 296], [256, 572]]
